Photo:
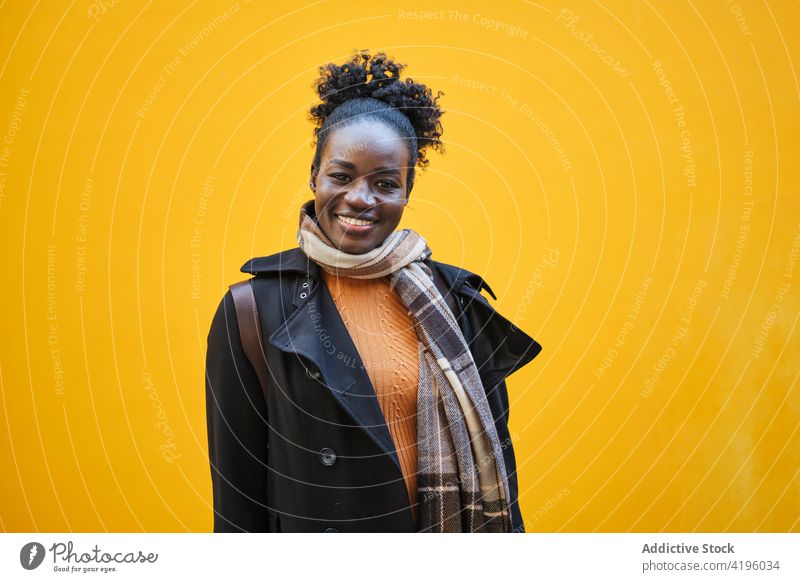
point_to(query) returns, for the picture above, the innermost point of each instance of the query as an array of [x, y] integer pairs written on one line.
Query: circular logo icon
[[31, 555]]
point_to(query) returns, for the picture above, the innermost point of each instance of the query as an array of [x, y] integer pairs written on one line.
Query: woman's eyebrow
[[378, 170], [386, 170], [347, 165]]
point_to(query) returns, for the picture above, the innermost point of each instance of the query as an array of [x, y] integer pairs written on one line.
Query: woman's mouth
[[355, 225]]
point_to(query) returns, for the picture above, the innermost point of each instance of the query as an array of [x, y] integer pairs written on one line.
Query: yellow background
[[150, 148]]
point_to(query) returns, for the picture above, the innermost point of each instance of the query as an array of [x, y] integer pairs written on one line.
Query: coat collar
[[292, 260]]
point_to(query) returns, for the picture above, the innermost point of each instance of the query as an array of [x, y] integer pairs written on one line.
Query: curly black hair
[[369, 87]]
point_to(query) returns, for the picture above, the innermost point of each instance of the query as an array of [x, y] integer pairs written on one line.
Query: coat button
[[327, 456], [331, 530], [313, 373]]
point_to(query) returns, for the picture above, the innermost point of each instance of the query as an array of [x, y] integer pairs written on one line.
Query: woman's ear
[[313, 180]]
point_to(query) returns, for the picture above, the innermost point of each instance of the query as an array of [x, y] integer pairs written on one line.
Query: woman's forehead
[[366, 141]]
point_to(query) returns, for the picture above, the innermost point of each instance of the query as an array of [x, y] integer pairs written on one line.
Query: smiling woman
[[355, 384]]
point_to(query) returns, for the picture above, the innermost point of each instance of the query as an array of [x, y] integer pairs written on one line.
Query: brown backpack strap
[[249, 328]]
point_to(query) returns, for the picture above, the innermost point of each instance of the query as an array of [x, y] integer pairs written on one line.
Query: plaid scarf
[[462, 483]]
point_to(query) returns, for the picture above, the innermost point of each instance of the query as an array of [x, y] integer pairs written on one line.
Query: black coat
[[314, 453]]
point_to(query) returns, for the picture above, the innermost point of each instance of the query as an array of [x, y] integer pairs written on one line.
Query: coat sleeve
[[236, 417]]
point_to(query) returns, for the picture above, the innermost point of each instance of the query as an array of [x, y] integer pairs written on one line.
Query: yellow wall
[[625, 176]]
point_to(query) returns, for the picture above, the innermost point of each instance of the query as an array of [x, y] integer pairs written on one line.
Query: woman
[[384, 407]]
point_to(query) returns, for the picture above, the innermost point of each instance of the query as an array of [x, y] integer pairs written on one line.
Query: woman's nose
[[359, 194]]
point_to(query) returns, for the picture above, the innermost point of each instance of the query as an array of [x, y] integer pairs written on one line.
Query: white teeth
[[354, 221]]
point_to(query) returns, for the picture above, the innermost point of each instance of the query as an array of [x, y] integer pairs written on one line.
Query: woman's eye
[[340, 177], [387, 185]]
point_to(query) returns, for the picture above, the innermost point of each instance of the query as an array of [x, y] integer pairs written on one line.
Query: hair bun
[[378, 76]]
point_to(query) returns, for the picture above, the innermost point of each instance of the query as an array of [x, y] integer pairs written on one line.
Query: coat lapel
[[316, 331]]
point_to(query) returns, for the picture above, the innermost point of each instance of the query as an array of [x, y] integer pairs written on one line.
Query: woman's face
[[360, 188]]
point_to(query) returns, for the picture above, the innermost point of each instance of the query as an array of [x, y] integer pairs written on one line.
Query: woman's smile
[[355, 225]]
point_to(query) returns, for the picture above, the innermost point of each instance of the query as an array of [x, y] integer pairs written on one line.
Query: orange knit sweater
[[383, 333]]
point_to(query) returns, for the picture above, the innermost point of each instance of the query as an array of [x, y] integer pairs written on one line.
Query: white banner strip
[[737, 556]]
